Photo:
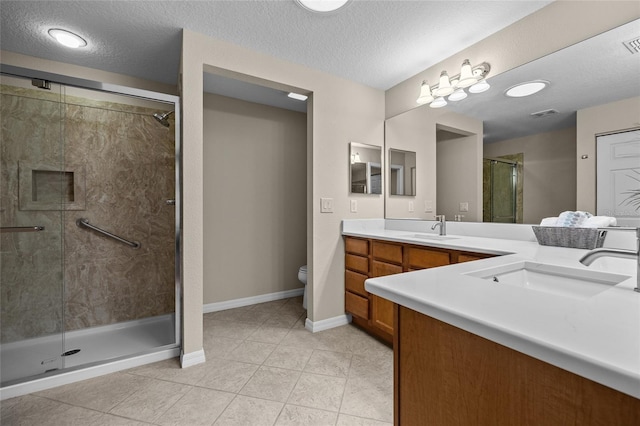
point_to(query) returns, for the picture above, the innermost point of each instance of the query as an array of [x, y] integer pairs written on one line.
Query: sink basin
[[558, 280], [431, 237]]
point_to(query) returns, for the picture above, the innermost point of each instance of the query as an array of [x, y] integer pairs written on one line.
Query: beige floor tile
[[303, 339], [227, 375], [329, 363], [32, 410], [376, 364], [316, 391], [170, 370], [197, 407], [294, 415], [102, 393], [284, 320], [245, 411], [346, 420], [218, 347], [149, 403], [251, 352], [289, 357], [274, 384], [294, 307], [111, 420], [369, 397], [269, 334], [229, 329], [272, 306]]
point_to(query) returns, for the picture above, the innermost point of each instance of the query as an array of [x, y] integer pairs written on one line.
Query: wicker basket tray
[[582, 238]]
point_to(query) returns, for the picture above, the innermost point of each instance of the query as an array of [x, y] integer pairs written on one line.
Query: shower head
[[162, 118]]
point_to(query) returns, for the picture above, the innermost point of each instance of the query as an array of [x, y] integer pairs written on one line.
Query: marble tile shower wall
[[128, 163]]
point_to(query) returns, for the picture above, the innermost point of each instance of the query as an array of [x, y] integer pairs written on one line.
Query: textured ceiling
[[376, 43]]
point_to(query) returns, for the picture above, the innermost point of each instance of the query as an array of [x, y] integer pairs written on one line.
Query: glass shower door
[[33, 188]]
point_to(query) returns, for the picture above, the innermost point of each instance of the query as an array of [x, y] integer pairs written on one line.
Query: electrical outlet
[[464, 207], [326, 205], [354, 206], [428, 206], [410, 206]]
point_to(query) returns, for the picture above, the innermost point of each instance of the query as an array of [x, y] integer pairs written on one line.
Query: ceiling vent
[[633, 45], [545, 113]]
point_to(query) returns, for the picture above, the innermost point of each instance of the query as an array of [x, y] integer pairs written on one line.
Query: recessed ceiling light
[[322, 6], [67, 38], [526, 89], [297, 96]]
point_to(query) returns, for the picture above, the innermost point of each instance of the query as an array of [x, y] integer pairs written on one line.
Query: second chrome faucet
[[441, 223]]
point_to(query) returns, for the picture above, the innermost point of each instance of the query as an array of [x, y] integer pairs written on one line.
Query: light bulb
[[458, 95], [466, 75], [444, 86], [425, 94], [479, 87], [438, 103], [67, 38]]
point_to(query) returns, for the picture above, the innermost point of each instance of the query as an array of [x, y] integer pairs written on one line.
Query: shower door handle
[[8, 229]]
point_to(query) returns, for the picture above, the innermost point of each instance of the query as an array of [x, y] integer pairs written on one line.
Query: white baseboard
[[315, 326], [246, 301], [192, 358]]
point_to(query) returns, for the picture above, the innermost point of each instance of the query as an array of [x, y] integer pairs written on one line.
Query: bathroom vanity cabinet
[[370, 258], [465, 379]]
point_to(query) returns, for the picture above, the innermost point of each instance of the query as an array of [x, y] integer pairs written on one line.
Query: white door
[[618, 177]]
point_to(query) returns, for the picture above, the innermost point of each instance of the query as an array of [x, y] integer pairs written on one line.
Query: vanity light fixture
[[322, 6], [471, 77], [297, 96], [526, 89], [67, 38]]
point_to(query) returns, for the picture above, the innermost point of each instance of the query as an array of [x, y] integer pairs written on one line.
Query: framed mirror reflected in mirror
[[365, 168], [402, 172]]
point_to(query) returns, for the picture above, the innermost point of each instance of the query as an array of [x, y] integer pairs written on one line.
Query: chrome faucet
[[594, 254], [442, 224]]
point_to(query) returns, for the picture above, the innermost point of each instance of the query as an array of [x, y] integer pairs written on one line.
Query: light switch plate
[[354, 206], [411, 207], [464, 207], [326, 205], [428, 206]]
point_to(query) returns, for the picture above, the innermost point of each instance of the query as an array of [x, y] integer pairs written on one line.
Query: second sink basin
[[558, 280]]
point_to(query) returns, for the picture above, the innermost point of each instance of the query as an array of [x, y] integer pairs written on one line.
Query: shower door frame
[[68, 376]]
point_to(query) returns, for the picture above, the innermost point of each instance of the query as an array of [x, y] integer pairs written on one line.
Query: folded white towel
[[599, 222], [549, 221], [572, 219]]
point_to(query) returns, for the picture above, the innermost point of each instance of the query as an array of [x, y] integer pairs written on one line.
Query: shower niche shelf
[[47, 187]]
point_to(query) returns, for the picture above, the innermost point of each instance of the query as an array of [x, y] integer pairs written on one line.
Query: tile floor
[[263, 368]]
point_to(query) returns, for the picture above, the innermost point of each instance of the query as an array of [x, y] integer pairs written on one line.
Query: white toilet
[[302, 276]]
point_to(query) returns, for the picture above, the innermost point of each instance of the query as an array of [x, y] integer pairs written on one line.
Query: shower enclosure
[[89, 214], [500, 190]]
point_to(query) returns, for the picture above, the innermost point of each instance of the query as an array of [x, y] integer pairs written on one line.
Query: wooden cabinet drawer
[[426, 258], [356, 305], [387, 252], [356, 246], [380, 269], [354, 282], [357, 263], [467, 257]]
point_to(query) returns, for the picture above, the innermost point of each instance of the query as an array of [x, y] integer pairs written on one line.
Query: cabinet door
[[382, 309], [422, 258]]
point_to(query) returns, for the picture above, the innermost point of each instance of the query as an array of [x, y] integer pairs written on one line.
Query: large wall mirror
[[548, 140], [365, 168], [402, 172]]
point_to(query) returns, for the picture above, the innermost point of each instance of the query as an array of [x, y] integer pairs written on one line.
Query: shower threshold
[[38, 357]]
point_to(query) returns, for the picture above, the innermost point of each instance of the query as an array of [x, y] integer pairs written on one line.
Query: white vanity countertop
[[596, 337]]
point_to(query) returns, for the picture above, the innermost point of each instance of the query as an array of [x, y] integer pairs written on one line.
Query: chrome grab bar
[[84, 222], [21, 229]]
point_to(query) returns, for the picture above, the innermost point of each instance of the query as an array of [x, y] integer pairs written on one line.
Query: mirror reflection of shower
[[163, 118]]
